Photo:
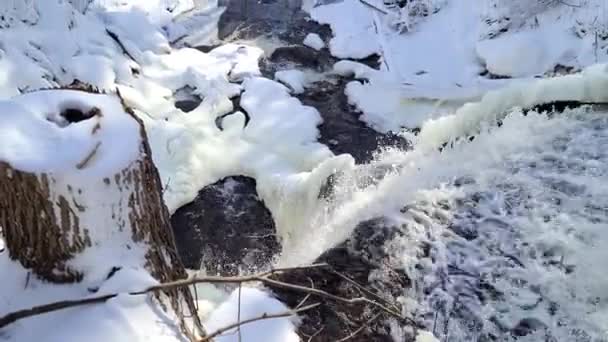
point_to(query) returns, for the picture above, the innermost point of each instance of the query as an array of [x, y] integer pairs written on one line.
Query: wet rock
[[206, 48], [187, 105], [561, 106], [528, 326], [186, 100], [283, 19], [236, 107], [466, 230], [341, 130], [359, 262], [249, 19], [303, 56], [226, 229]]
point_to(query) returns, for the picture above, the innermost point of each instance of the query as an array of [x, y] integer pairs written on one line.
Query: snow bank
[[190, 150], [354, 34], [277, 145], [387, 105], [253, 303], [528, 53], [446, 56], [122, 319]]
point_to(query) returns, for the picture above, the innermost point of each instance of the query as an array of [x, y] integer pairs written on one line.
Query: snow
[[425, 336], [314, 41], [397, 108], [297, 80], [442, 56], [244, 60], [253, 303], [35, 137], [426, 76], [190, 150], [523, 54], [354, 34], [124, 318]]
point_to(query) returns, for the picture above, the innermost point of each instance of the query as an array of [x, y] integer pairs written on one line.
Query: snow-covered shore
[[432, 77]]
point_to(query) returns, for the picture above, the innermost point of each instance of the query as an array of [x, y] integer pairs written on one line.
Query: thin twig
[[315, 334], [365, 325], [259, 318], [321, 293], [42, 309], [373, 6], [303, 301], [363, 289]]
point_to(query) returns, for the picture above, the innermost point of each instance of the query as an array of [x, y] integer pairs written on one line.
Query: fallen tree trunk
[[81, 197]]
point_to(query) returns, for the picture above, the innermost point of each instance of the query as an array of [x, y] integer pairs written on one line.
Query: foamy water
[[516, 221]]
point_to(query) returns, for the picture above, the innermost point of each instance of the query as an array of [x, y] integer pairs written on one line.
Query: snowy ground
[[444, 57], [536, 189]]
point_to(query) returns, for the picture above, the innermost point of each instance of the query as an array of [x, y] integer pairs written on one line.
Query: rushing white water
[[516, 221]]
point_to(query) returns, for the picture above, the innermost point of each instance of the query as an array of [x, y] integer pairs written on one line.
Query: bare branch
[[42, 309], [360, 328], [315, 334], [60, 305], [259, 318], [263, 278]]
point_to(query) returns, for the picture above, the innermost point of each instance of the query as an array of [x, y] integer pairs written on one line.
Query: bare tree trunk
[[51, 219]]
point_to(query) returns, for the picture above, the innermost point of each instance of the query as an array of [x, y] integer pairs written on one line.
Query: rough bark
[[46, 222]]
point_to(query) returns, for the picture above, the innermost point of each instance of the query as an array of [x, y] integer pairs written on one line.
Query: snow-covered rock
[[314, 41]]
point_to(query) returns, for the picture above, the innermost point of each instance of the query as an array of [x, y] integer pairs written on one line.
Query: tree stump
[[81, 197]]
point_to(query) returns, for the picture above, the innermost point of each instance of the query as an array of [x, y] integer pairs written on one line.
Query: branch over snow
[[261, 277], [288, 313]]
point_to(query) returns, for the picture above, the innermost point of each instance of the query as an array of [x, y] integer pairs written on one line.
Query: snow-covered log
[[80, 196]]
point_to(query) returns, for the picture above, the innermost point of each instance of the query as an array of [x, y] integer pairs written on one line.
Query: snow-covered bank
[[125, 318], [189, 149], [47, 44], [456, 51], [433, 69]]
